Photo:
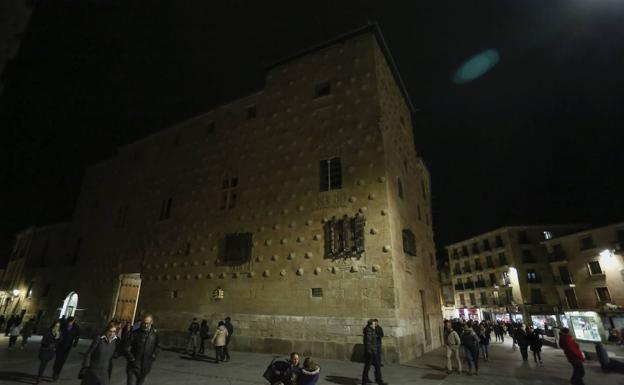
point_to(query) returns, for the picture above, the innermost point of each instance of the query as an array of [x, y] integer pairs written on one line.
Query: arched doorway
[[69, 305]]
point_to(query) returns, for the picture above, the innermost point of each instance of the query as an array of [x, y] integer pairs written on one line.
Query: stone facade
[[164, 205], [505, 273]]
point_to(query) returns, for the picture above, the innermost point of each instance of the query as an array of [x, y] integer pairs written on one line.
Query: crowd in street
[[470, 340]]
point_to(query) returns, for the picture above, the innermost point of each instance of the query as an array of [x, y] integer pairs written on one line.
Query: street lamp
[[15, 292]]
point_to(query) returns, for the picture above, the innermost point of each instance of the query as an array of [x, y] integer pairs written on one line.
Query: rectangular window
[[532, 275], [594, 268], [465, 251], [502, 259], [486, 245], [499, 241], [317, 292], [322, 89], [457, 269], [174, 294], [344, 237], [547, 235], [400, 187], [472, 299], [603, 294], [251, 112], [528, 257], [570, 297], [493, 279], [484, 300], [330, 174], [467, 268], [165, 209], [587, 243], [475, 248], [489, 263], [122, 213], [564, 275], [229, 193], [237, 248], [409, 242], [523, 237], [477, 263], [462, 300], [536, 296]]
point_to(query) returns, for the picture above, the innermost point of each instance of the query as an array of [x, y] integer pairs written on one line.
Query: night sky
[[537, 139]]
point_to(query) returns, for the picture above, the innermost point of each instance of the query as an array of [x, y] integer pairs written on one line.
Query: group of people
[[291, 372], [199, 333], [472, 338], [15, 328]]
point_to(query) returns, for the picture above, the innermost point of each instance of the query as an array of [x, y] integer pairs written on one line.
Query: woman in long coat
[[47, 351], [97, 365]]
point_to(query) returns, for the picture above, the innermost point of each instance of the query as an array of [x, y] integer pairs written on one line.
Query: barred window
[[237, 248], [229, 193], [409, 242], [317, 292], [330, 174], [344, 237]]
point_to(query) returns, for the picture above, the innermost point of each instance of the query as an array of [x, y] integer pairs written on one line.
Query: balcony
[[457, 271], [480, 284], [468, 285], [459, 286], [489, 265], [467, 270], [559, 280], [557, 257], [478, 268]]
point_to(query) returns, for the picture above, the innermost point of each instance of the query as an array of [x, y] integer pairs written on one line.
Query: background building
[[589, 273], [504, 274], [300, 211]]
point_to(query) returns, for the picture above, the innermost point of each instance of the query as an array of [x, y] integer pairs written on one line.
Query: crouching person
[[310, 372], [97, 364]]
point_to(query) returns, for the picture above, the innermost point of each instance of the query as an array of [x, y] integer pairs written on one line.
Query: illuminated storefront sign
[[585, 325]]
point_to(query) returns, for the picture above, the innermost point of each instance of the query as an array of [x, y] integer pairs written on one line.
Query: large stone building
[[504, 274], [300, 211], [588, 271]]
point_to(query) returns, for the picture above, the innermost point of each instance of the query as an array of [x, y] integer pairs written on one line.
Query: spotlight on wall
[[15, 292]]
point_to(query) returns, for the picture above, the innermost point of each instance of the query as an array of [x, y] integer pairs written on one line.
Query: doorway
[[127, 297], [69, 305]]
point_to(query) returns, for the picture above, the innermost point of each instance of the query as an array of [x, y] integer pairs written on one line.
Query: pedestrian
[[97, 365], [47, 350], [27, 331], [451, 342], [484, 341], [15, 331], [556, 332], [294, 370], [380, 334], [219, 340], [310, 373], [230, 329], [370, 353], [70, 335], [9, 324], [470, 344], [203, 335], [521, 339], [503, 332], [193, 343], [574, 355], [535, 343], [2, 321], [126, 331], [141, 349]]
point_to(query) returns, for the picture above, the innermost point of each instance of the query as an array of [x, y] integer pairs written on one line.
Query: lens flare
[[476, 66]]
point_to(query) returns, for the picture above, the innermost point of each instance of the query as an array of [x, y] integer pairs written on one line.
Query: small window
[[502, 259], [229, 194], [499, 241], [587, 243], [237, 248], [409, 242], [472, 299], [547, 235], [483, 298], [251, 112], [330, 171], [603, 294], [531, 275], [400, 187], [523, 237], [536, 296], [462, 300], [594, 268], [322, 89], [165, 209], [317, 292], [174, 294], [489, 262]]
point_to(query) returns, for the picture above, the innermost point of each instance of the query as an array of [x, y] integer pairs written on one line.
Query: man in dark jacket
[[370, 353], [141, 349], [230, 329], [70, 335], [380, 334], [521, 339]]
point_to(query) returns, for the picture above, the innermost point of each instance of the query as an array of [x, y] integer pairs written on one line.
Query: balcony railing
[[459, 286], [469, 285], [556, 257], [489, 265], [457, 271], [480, 284], [467, 270], [478, 268]]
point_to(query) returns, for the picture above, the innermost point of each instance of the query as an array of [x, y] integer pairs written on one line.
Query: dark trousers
[[525, 353], [201, 345], [371, 358], [578, 372], [12, 340], [134, 376], [537, 355], [226, 351], [59, 362], [219, 353], [43, 364]]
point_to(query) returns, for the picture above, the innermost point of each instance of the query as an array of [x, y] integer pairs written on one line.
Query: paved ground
[[505, 367]]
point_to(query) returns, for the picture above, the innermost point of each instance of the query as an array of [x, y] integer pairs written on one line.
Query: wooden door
[[127, 298]]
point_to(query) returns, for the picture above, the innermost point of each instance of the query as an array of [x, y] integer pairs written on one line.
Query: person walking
[[203, 335], [230, 329], [521, 339], [484, 341], [141, 349], [535, 343], [451, 342], [2, 321], [9, 324], [47, 350], [70, 335], [97, 365], [15, 331], [574, 355], [219, 341], [556, 332], [380, 334], [27, 331], [370, 353], [193, 343], [470, 344]]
